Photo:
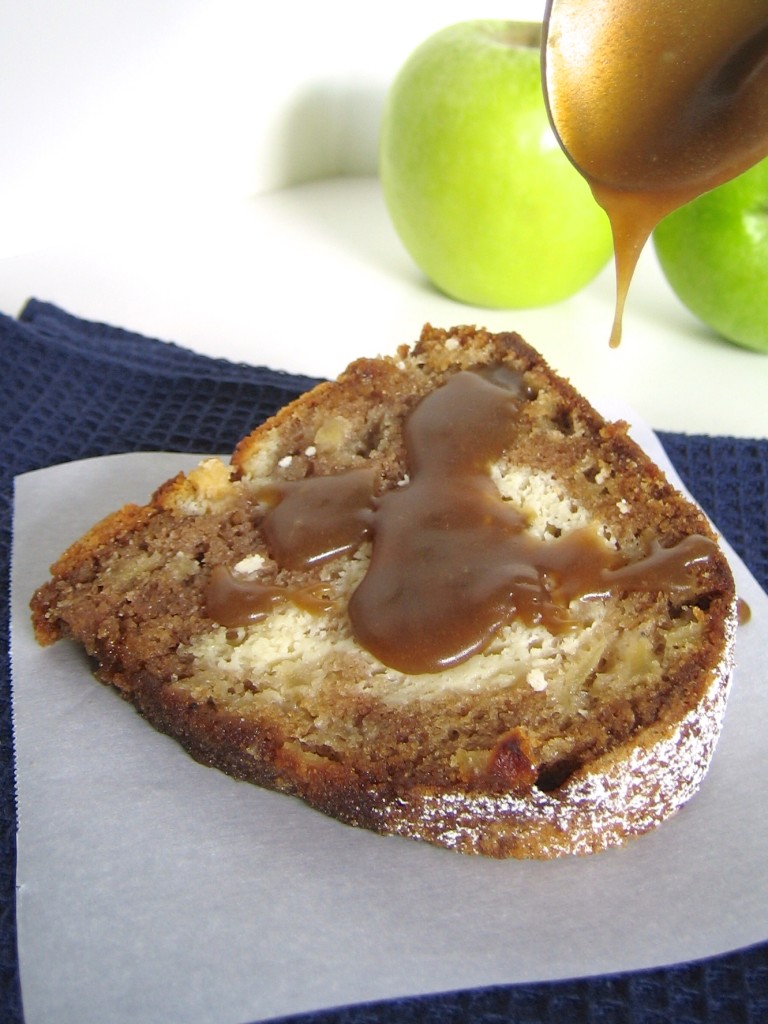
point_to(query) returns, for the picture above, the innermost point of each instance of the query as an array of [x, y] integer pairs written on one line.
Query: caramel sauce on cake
[[570, 735], [656, 102], [233, 601], [452, 561], [318, 518]]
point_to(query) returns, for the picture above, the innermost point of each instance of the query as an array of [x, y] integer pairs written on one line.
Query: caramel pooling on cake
[[452, 562]]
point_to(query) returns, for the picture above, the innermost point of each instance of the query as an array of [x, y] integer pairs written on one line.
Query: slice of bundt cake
[[439, 597]]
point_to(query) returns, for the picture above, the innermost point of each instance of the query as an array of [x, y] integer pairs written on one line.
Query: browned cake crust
[[550, 737]]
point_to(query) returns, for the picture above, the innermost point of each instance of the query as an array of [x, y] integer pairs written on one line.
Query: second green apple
[[477, 186]]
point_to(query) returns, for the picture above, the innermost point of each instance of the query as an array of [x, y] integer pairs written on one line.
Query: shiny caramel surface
[[452, 561]]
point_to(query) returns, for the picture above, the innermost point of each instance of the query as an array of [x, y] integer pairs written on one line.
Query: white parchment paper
[[152, 889]]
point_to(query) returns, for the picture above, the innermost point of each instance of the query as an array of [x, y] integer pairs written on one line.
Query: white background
[[135, 102]]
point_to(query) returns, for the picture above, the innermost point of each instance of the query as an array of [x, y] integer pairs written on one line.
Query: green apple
[[477, 186], [714, 253]]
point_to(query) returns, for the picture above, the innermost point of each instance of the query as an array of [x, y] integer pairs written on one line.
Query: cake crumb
[[250, 564], [537, 680]]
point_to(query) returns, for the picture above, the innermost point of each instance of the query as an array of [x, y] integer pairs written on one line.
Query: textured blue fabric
[[71, 389]]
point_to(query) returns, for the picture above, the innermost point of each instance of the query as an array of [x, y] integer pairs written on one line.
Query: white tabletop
[[308, 278]]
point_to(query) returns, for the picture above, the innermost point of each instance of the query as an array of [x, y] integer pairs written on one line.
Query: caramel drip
[[234, 601], [318, 518], [452, 561], [744, 611], [656, 102]]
